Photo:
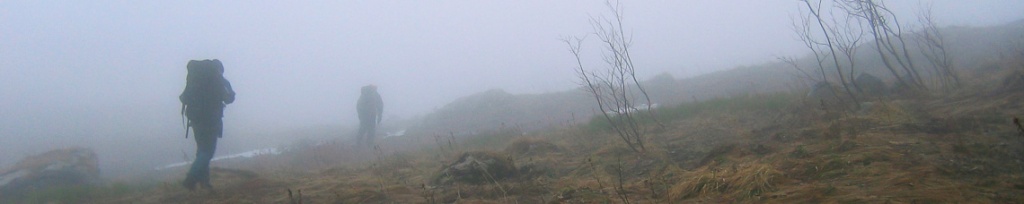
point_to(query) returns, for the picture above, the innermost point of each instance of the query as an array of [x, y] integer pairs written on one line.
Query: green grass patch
[[498, 138], [742, 103], [726, 105]]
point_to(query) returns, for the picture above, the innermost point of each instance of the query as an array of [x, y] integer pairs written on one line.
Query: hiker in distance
[[370, 108], [206, 93]]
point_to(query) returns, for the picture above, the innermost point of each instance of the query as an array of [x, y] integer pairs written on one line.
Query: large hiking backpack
[[206, 91]]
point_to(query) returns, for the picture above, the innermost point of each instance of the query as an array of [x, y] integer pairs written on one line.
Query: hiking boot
[[206, 185], [209, 188], [189, 184]]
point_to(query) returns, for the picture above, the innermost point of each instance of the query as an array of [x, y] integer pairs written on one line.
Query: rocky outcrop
[[61, 167], [476, 168]]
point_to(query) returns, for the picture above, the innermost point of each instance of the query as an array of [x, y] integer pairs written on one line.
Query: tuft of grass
[[77, 193], [61, 194], [487, 140], [361, 196], [744, 181], [531, 146], [799, 152], [890, 112], [741, 103]]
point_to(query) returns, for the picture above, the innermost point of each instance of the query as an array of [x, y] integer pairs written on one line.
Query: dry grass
[[934, 149], [531, 147], [742, 182]]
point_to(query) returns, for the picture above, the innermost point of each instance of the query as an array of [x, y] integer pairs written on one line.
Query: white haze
[[106, 74]]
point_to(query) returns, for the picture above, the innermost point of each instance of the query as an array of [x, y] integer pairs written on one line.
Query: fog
[[106, 74]]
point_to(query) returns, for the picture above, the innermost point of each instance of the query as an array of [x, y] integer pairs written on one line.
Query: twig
[[619, 189], [378, 171], [292, 199], [428, 194], [1020, 128], [504, 194], [593, 173]]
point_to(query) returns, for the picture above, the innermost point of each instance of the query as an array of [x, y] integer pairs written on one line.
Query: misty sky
[[107, 74]]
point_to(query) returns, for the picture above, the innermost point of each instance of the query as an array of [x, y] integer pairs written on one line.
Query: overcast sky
[[108, 73]]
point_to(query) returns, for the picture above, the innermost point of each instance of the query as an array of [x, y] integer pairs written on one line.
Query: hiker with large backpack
[[202, 103], [370, 108]]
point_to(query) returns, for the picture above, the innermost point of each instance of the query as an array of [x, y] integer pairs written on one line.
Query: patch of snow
[[632, 109], [395, 134], [7, 178], [247, 154], [250, 154]]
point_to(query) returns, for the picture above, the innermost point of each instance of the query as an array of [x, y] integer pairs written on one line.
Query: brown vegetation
[[948, 148]]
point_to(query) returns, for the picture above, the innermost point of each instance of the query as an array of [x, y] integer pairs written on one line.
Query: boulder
[[61, 167], [822, 90], [902, 89], [477, 167], [870, 85]]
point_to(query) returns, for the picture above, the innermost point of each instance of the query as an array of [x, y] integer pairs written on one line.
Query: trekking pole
[[184, 123]]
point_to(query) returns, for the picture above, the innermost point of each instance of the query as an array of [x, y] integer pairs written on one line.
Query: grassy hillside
[[495, 109], [971, 47], [752, 139], [776, 148]]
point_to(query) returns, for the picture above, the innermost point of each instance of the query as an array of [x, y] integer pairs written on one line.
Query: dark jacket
[[370, 106]]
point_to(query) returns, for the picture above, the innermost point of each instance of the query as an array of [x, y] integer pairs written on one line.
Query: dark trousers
[[367, 131], [206, 134]]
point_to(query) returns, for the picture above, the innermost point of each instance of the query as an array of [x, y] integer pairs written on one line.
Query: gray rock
[[822, 90], [61, 167], [476, 168], [870, 85]]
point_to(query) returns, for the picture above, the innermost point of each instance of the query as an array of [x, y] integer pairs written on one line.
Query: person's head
[[206, 67], [217, 65], [369, 89]]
